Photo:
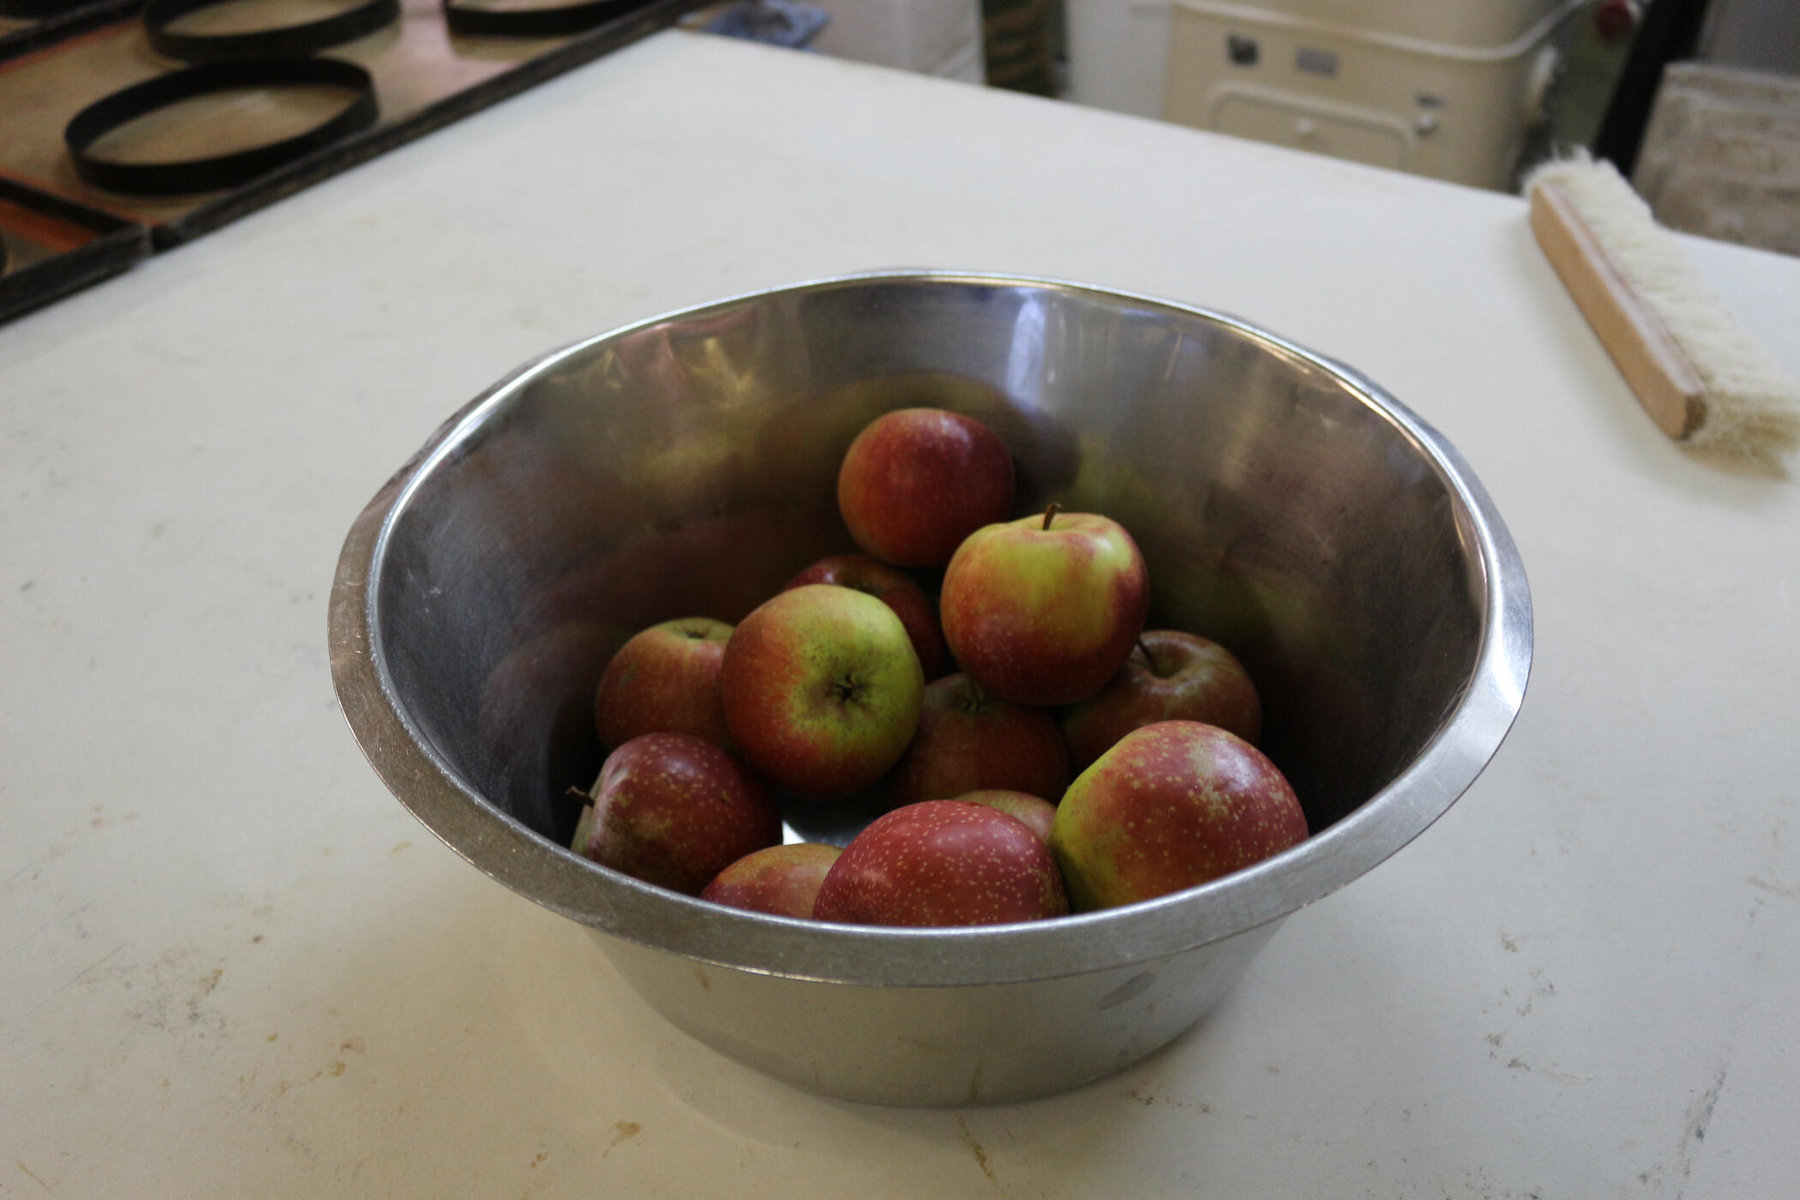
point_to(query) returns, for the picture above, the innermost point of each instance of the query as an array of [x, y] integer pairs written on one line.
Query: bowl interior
[[686, 466]]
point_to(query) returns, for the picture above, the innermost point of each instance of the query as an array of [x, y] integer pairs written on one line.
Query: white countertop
[[235, 967]]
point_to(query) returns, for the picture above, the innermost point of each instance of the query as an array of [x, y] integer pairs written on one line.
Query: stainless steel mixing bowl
[[684, 465]]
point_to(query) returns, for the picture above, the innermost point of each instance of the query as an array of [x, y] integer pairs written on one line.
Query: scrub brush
[[1703, 380]]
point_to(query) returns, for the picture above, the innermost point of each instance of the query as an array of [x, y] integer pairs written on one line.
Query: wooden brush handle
[[1652, 364]]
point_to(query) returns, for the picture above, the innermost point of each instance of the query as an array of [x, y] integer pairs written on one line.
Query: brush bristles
[[1752, 407]]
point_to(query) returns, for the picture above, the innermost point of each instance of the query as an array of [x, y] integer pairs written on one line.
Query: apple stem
[[1051, 512], [1149, 658]]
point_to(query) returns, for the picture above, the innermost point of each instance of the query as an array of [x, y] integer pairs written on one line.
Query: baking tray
[[24, 28], [50, 247], [425, 77]]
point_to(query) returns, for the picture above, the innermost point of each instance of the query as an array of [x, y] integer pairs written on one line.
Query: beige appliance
[[1452, 89]]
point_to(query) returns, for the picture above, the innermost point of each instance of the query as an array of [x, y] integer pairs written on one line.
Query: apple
[[942, 862], [1172, 676], [665, 679], [821, 690], [1045, 609], [968, 740], [1170, 806], [1037, 813], [674, 810], [783, 880], [917, 481], [894, 588]]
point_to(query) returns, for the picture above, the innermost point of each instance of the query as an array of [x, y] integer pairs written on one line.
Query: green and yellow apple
[[894, 588], [821, 689], [1044, 610]]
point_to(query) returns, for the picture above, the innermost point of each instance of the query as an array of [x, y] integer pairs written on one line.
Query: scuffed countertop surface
[[236, 967]]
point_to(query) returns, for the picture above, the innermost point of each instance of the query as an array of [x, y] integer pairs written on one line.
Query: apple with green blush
[[822, 690], [1044, 610], [1170, 806], [894, 588]]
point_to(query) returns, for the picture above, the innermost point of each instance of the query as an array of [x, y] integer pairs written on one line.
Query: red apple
[[821, 690], [968, 740], [1037, 813], [917, 481], [673, 810], [783, 880], [665, 679], [942, 862], [1170, 806], [1173, 676], [894, 588], [1044, 610]]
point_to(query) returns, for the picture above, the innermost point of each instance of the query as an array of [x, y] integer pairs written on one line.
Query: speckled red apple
[[1043, 610], [1170, 806], [783, 880], [942, 862], [821, 690], [894, 588], [1037, 813], [674, 810], [665, 679], [969, 740], [915, 482], [1184, 678]]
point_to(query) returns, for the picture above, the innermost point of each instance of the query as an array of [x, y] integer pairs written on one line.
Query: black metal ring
[[534, 22], [223, 170], [282, 40]]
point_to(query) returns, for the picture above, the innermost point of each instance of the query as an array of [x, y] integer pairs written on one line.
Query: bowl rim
[[552, 875]]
